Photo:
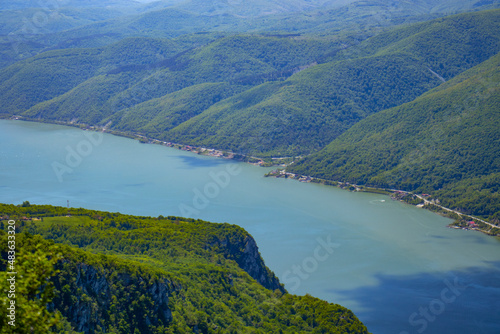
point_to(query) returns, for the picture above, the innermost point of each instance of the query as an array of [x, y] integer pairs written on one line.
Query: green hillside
[[307, 111], [445, 45], [22, 4], [55, 73], [63, 18], [77, 24], [145, 71], [251, 94], [313, 107], [156, 116], [124, 274], [445, 143]]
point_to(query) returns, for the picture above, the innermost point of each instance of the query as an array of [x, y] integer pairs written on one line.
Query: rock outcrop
[[245, 252], [88, 296]]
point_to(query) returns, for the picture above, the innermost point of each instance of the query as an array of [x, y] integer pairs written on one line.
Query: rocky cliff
[[91, 297], [244, 250]]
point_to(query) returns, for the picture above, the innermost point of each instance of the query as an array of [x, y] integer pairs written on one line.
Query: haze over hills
[[277, 111], [92, 24]]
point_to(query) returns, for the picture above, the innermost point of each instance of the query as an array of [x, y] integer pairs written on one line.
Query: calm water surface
[[399, 268]]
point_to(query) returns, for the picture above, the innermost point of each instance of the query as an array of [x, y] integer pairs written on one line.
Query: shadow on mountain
[[458, 302]]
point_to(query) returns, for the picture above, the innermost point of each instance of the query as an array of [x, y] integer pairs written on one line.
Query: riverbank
[[462, 220], [257, 161], [425, 201]]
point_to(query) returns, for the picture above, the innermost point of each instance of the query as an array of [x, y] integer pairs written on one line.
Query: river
[[398, 267]]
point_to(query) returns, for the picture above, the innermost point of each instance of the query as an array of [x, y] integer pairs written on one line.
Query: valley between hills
[[370, 96]]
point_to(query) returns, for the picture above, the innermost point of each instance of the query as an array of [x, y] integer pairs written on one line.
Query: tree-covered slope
[[52, 18], [143, 73], [445, 143], [446, 45], [124, 274], [32, 27], [54, 73], [313, 107], [307, 111], [285, 96], [156, 116]]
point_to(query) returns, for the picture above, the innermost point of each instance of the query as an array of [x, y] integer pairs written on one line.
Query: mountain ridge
[[126, 274], [317, 80]]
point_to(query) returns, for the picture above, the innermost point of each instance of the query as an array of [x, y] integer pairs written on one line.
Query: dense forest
[[394, 95], [445, 143], [286, 94], [108, 272], [250, 94]]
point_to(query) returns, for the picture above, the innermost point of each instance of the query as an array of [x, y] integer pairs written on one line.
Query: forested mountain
[[401, 95], [266, 94], [152, 71], [23, 4], [30, 27], [251, 94], [116, 273], [445, 143]]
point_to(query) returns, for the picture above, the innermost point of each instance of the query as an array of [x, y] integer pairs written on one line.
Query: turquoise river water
[[399, 268]]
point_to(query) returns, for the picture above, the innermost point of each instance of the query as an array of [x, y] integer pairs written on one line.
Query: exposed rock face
[[160, 292], [88, 297], [246, 253], [115, 297], [253, 264]]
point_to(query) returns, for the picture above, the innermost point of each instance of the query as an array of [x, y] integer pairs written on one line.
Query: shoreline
[[224, 154], [462, 220]]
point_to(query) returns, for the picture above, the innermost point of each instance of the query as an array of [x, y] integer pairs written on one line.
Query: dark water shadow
[[194, 161], [458, 302], [439, 237]]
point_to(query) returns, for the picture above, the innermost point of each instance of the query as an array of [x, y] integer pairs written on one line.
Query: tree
[[33, 292]]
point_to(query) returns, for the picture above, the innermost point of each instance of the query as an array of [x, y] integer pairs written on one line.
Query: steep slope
[[255, 8], [126, 274], [445, 45], [445, 143], [315, 106], [52, 18], [148, 74], [156, 116], [307, 111], [311, 90], [22, 4], [54, 73], [177, 17]]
